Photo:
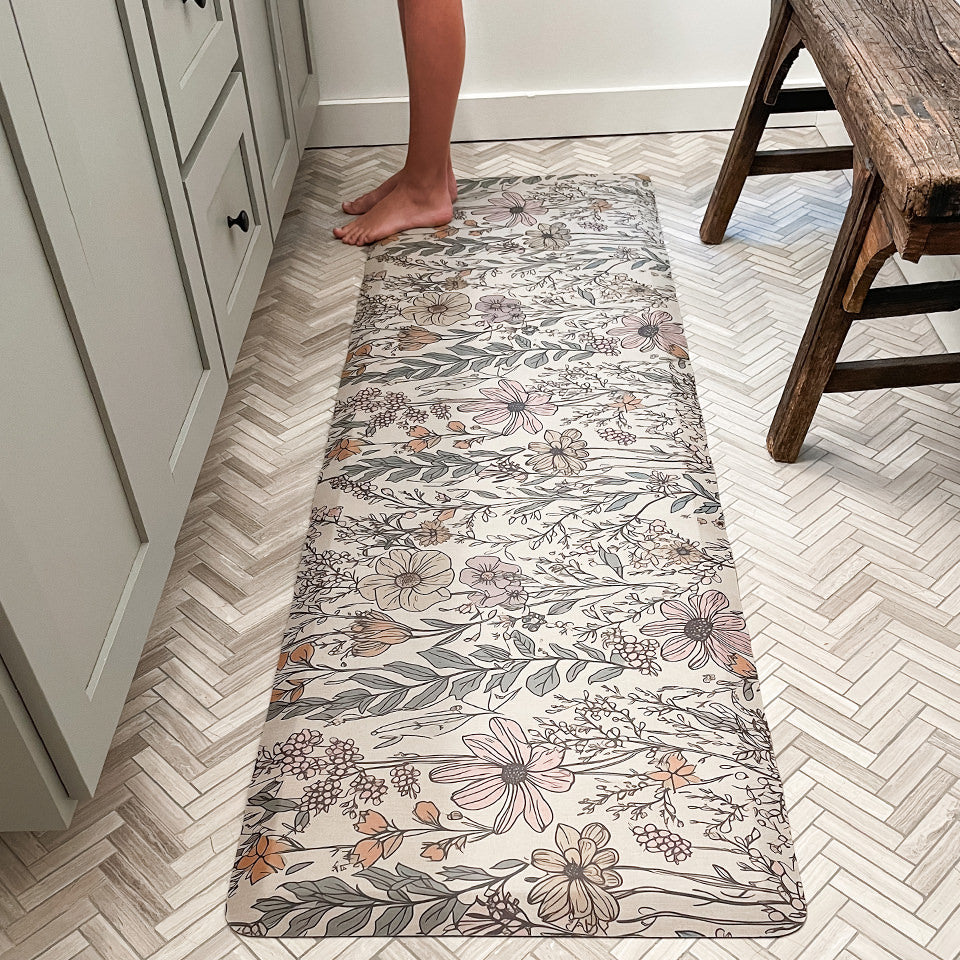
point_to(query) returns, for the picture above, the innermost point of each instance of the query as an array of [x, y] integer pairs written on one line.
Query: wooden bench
[[892, 70]]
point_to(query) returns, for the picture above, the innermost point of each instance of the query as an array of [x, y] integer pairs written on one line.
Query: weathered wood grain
[[893, 69]]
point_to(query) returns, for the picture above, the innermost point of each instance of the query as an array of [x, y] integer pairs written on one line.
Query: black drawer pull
[[241, 220], [200, 3]]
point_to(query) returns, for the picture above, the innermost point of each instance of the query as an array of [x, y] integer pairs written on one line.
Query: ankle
[[426, 184]]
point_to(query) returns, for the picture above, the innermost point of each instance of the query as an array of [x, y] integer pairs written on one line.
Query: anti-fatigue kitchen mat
[[516, 694]]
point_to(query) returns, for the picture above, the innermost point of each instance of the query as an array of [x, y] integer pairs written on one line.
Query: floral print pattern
[[516, 695]]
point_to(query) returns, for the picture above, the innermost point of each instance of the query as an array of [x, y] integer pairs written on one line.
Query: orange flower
[[431, 533], [264, 857], [415, 338], [359, 352], [427, 812], [742, 667], [371, 823], [442, 233], [374, 632], [432, 851], [383, 839], [347, 447], [678, 773], [627, 401], [676, 350], [423, 439], [447, 514], [301, 654]]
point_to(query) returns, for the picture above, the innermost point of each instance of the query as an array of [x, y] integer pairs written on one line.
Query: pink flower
[[489, 574], [702, 630], [507, 768], [510, 402], [496, 583], [511, 209], [653, 328]]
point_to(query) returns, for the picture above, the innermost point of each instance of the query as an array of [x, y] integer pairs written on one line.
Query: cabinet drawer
[[196, 49], [229, 215]]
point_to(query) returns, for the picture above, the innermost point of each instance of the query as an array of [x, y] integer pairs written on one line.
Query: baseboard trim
[[929, 269], [546, 113]]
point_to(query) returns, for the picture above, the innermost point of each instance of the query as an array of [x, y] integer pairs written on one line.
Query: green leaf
[[427, 697], [536, 360], [301, 822], [612, 561], [462, 872], [620, 501], [561, 606], [486, 652], [544, 680], [509, 865], [447, 659], [327, 890], [523, 643], [607, 673], [590, 652], [435, 915], [278, 805], [306, 920], [465, 685], [412, 671], [386, 703], [575, 669], [680, 503], [349, 922], [393, 920]]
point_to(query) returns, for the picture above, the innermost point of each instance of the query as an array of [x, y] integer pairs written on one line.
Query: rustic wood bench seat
[[892, 70]]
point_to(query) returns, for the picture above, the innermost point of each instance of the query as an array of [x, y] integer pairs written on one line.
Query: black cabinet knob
[[241, 220], [200, 3]]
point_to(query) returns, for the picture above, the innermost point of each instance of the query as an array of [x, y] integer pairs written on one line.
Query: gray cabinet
[[264, 67], [196, 49], [298, 56], [125, 294], [229, 212]]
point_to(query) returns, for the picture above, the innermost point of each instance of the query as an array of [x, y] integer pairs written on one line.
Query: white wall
[[547, 68]]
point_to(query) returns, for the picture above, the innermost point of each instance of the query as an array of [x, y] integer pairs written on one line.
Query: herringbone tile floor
[[847, 560]]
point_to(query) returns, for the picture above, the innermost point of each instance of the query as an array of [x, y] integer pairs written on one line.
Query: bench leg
[[779, 51], [829, 322]]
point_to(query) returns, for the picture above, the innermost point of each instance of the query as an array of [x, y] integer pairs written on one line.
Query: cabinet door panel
[[196, 49], [261, 51], [60, 480], [106, 373], [73, 548], [223, 181], [301, 75], [138, 330]]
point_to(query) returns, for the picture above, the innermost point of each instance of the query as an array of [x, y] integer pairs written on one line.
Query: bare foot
[[402, 208], [369, 200]]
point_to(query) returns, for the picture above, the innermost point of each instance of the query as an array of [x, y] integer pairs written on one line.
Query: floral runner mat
[[516, 694]]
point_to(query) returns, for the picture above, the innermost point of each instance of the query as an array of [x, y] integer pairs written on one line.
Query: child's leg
[[363, 203], [434, 43]]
